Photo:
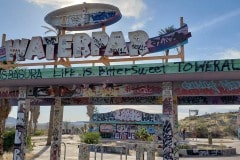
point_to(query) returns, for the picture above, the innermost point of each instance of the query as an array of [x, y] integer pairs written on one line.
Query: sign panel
[[229, 65], [82, 45], [84, 16], [127, 115], [203, 88], [92, 90]]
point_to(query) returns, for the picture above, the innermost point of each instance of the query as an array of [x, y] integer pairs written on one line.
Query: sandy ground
[[42, 152]]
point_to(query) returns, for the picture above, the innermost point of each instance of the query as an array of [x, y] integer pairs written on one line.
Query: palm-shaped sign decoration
[[167, 30]]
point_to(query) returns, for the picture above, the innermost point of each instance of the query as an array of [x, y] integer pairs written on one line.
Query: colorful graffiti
[[170, 127], [55, 150], [96, 90], [127, 115], [21, 127], [208, 100], [222, 87], [6, 92], [124, 123], [150, 100], [123, 70]]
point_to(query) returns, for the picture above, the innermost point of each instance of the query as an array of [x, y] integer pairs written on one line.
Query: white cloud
[[216, 20], [132, 8], [140, 24], [229, 54]]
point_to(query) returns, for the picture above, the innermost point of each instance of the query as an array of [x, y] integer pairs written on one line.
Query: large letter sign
[[16, 48], [116, 44], [99, 40], [80, 45], [138, 41], [64, 46], [35, 49]]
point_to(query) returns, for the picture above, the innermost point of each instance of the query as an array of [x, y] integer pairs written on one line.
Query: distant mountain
[[220, 125], [11, 122]]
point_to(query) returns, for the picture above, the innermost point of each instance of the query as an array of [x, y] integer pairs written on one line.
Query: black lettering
[[187, 67], [119, 71], [208, 66], [226, 65], [233, 66], [32, 73], [179, 66], [55, 73], [21, 74], [142, 71], [39, 74], [10, 74], [126, 70], [134, 69], [87, 72], [152, 70], [216, 65], [4, 74], [101, 71], [199, 66]]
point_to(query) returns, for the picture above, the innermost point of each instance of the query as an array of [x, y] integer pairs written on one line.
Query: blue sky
[[215, 27]]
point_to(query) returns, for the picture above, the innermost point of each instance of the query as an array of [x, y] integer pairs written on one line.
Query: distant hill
[[11, 122], [218, 124]]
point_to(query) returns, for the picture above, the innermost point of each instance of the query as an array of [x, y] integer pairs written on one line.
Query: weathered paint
[[84, 16], [228, 65], [20, 140], [55, 151], [170, 148], [81, 45]]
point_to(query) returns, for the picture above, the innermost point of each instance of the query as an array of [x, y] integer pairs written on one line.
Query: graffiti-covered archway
[[167, 84]]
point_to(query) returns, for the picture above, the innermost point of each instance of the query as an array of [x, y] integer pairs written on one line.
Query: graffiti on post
[[84, 152], [21, 131], [170, 127], [57, 130], [167, 140], [238, 123]]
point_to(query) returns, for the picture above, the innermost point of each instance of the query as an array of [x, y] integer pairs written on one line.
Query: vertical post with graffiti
[[84, 152], [57, 130], [151, 152], [21, 127], [170, 135], [175, 128], [238, 123], [139, 152]]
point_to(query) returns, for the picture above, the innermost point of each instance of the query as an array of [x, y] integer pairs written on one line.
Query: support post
[[139, 152], [182, 46], [55, 151], [238, 122], [84, 152], [20, 140], [151, 152], [170, 139], [50, 127]]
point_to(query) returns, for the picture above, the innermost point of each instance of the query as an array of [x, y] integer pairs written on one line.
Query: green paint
[[124, 70]]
